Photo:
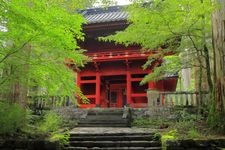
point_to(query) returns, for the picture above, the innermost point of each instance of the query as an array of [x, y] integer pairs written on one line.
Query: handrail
[[119, 51], [111, 54]]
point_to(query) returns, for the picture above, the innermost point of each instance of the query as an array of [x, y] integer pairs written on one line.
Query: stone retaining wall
[[72, 112], [214, 144], [28, 145], [161, 112]]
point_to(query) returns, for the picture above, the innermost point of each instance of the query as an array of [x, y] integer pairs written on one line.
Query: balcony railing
[[118, 55]]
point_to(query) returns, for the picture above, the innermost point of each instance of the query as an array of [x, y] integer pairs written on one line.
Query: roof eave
[[101, 25]]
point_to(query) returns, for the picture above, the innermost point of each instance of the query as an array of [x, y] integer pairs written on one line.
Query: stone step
[[114, 148], [104, 121], [110, 117], [114, 138], [91, 144], [105, 113], [104, 117], [105, 110], [103, 125], [111, 134]]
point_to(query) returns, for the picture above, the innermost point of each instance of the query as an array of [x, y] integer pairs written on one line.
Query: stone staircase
[[110, 117], [114, 141]]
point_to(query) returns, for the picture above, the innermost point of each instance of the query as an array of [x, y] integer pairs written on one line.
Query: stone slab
[[96, 130]]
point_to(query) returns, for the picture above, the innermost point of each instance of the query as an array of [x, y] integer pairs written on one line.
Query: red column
[[151, 85], [79, 85], [78, 80], [97, 89], [128, 87]]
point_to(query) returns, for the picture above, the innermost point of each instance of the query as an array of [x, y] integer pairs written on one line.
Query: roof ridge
[[96, 10]]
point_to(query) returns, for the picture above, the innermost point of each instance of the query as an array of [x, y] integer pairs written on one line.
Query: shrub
[[63, 138], [52, 125], [51, 122], [193, 133], [171, 135], [12, 118]]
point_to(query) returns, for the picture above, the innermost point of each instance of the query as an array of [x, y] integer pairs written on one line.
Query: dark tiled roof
[[108, 14]]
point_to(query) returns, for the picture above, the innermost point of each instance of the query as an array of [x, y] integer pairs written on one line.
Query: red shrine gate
[[112, 78]]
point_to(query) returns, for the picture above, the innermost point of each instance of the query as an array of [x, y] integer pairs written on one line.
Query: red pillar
[[78, 80], [79, 85], [128, 88], [97, 89], [151, 85]]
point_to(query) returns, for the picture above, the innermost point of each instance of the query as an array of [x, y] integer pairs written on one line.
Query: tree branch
[[15, 51]]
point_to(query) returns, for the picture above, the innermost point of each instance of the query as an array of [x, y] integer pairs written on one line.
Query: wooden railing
[[117, 54], [178, 98], [44, 102]]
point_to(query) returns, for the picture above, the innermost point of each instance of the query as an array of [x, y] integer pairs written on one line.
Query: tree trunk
[[218, 26], [21, 86], [16, 75]]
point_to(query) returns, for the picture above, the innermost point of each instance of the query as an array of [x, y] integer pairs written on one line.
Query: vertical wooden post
[[128, 87], [97, 89]]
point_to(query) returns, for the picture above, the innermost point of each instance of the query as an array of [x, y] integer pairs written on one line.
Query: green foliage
[[160, 22], [12, 118], [39, 36], [52, 127], [51, 122], [193, 133], [171, 135], [171, 65], [168, 26], [216, 119], [184, 115], [157, 136], [63, 138]]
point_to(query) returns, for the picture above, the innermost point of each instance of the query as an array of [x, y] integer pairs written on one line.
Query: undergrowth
[[12, 118], [185, 124], [17, 122]]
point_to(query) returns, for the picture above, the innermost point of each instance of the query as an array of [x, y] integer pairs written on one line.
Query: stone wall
[[72, 112], [157, 112], [29, 145], [214, 144], [161, 112]]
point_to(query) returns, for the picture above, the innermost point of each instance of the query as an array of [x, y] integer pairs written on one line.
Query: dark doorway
[[116, 90]]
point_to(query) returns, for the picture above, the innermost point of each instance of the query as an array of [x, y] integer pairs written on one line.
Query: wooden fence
[[178, 98], [45, 102], [155, 99]]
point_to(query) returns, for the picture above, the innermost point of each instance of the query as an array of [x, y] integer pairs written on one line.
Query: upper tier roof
[[107, 14]]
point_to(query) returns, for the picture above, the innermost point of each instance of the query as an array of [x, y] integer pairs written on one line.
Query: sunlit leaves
[[50, 28], [173, 25], [171, 65]]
